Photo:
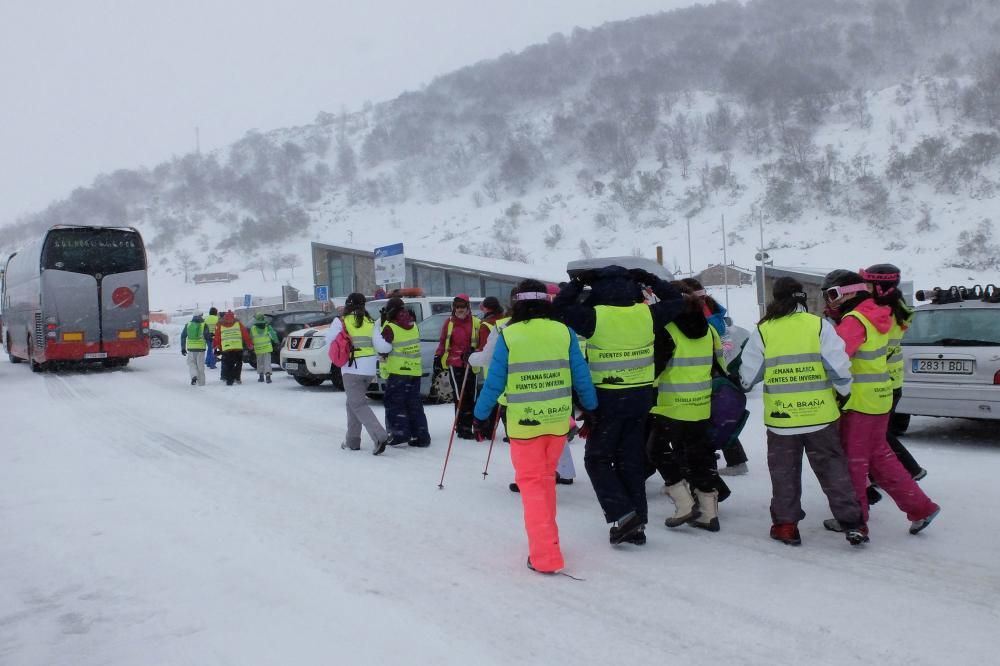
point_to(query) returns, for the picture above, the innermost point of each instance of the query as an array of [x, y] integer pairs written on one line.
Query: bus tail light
[[51, 328], [144, 325], [996, 378]]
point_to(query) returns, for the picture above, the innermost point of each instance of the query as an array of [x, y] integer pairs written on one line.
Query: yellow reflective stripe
[[534, 366], [666, 387], [870, 354], [692, 361], [871, 378], [792, 358]]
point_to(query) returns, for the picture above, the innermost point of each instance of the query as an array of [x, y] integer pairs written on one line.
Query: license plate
[[291, 365], [943, 366], [96, 355]]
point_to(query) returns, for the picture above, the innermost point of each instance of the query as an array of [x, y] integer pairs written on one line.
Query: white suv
[[305, 357], [952, 355]]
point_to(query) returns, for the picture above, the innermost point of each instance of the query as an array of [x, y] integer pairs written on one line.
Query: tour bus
[[79, 293]]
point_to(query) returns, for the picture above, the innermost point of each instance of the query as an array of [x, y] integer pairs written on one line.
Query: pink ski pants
[[535, 463], [868, 452]]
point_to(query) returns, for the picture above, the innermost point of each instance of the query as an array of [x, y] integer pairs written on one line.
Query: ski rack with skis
[[955, 294]]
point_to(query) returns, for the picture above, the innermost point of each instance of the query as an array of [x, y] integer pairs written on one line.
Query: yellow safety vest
[[231, 337], [894, 353], [404, 359], [261, 337], [196, 336], [871, 390], [212, 321], [685, 386], [620, 352], [797, 390], [539, 383], [361, 336], [473, 343]]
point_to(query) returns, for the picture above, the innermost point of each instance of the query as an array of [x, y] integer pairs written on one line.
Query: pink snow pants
[[868, 452], [535, 463]]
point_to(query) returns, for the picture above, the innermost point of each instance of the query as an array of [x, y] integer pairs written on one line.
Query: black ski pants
[[681, 450], [404, 410], [615, 453], [232, 365]]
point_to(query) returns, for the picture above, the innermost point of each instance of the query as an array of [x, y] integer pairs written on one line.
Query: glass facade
[[498, 288], [431, 280], [340, 272], [464, 283]]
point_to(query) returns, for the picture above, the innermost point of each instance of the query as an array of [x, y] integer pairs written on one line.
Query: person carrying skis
[[195, 339], [802, 362], [230, 337], [462, 334], [619, 328], [400, 368], [678, 444], [537, 363], [265, 339], [864, 326]]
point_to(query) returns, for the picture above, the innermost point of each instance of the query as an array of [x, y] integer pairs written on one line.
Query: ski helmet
[[840, 283], [885, 277]]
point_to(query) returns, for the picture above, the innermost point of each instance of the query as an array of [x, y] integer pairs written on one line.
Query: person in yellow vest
[[195, 339], [882, 281], [619, 328], [230, 337], [537, 363], [359, 373], [802, 362], [401, 369], [265, 339], [462, 334], [864, 326], [678, 445], [212, 322]]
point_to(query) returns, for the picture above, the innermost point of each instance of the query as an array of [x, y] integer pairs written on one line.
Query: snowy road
[[145, 521]]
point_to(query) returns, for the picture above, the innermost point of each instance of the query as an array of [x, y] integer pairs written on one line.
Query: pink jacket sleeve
[[853, 334]]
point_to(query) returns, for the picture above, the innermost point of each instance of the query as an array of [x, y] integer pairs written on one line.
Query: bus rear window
[[93, 251]]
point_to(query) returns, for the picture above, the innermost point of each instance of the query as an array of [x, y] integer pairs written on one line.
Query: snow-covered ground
[[146, 521]]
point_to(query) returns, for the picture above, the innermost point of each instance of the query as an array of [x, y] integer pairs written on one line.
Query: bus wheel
[[13, 359]]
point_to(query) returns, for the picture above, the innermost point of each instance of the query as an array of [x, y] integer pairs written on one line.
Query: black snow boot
[[194, 380], [267, 378], [622, 530], [260, 379]]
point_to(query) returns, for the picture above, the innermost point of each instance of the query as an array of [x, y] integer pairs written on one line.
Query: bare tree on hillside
[[186, 263]]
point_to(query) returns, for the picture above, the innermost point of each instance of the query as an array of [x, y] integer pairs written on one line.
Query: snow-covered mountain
[[847, 132]]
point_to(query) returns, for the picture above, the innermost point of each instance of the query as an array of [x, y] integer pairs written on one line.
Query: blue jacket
[[718, 320], [496, 382]]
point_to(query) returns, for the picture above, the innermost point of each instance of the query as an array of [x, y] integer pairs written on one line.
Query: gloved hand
[[481, 430], [642, 276], [842, 399], [586, 277], [184, 352], [465, 356], [589, 420], [437, 362]]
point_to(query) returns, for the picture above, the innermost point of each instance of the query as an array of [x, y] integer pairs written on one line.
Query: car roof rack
[[956, 294]]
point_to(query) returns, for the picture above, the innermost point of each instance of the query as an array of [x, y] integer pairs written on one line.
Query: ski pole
[[496, 426], [454, 425]]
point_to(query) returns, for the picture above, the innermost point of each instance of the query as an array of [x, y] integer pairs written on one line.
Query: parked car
[[288, 322], [951, 355], [305, 357], [158, 338]]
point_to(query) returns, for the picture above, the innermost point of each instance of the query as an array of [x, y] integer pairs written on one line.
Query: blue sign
[[247, 300], [321, 293], [390, 266]]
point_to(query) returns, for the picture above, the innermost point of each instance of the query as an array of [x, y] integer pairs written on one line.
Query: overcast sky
[[89, 86]]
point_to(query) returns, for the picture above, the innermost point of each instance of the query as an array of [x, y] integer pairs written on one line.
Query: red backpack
[[341, 350]]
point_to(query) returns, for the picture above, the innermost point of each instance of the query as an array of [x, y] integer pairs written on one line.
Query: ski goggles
[[836, 293]]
